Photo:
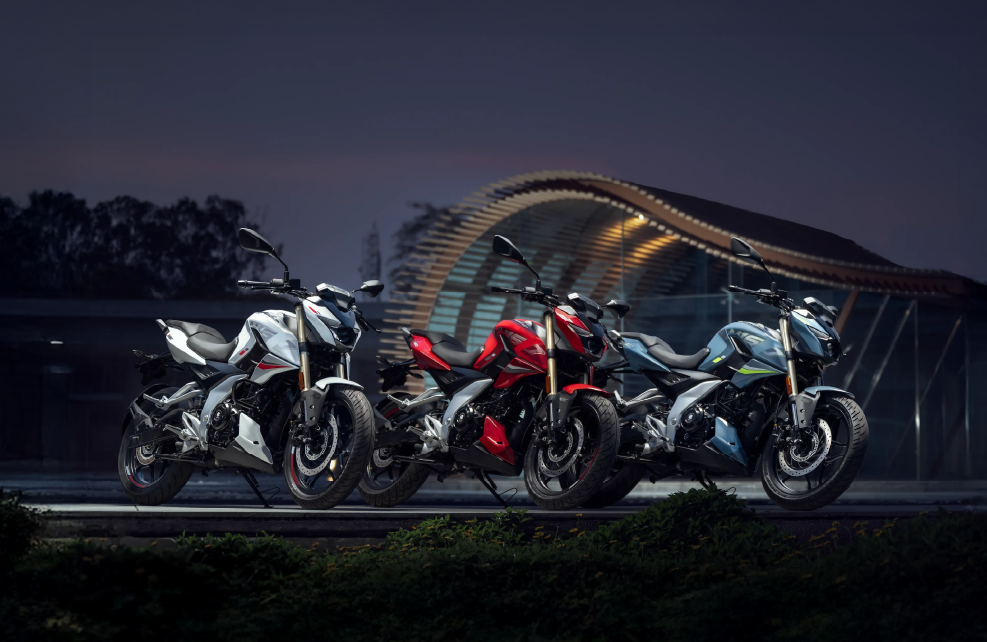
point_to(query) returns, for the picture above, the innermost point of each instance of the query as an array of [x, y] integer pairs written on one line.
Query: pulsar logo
[[515, 338], [414, 344]]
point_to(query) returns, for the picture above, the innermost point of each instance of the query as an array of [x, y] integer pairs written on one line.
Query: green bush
[[699, 566]]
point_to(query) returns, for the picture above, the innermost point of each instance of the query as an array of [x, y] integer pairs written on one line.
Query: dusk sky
[[324, 117]]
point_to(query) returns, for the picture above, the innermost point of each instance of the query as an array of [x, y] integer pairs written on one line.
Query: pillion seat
[[206, 342], [664, 353], [447, 348]]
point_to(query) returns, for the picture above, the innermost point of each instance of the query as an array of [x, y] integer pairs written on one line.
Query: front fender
[[573, 388], [814, 390], [313, 398], [337, 381], [556, 407], [805, 402]]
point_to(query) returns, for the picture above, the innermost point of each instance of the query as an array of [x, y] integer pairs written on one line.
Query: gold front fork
[[304, 381], [786, 342], [553, 378], [792, 382]]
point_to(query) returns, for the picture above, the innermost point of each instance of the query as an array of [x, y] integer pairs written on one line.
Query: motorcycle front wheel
[[323, 472], [814, 471], [567, 469], [147, 480]]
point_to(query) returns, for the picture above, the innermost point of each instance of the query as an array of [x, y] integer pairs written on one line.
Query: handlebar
[[277, 285], [253, 285], [778, 299], [735, 288], [530, 294]]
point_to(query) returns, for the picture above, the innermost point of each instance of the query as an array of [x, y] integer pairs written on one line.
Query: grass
[[700, 566]]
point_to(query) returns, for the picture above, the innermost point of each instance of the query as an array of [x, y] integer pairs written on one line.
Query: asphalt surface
[[94, 505]]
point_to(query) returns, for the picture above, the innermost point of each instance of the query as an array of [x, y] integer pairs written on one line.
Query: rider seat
[[205, 341], [447, 348], [664, 353]]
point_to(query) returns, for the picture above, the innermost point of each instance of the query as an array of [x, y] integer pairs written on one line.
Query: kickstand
[[703, 479], [488, 483], [254, 486]]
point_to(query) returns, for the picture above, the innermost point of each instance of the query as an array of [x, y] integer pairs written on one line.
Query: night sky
[[324, 117]]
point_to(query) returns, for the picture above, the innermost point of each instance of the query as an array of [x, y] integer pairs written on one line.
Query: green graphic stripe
[[754, 371]]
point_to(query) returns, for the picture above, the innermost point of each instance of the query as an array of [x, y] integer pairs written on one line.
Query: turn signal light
[[548, 384], [301, 381], [788, 384]]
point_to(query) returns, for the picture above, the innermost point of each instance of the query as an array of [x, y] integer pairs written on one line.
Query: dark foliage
[[18, 527], [405, 269], [57, 246], [697, 567]]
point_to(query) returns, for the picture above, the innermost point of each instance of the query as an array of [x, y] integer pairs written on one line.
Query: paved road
[[93, 505], [223, 489]]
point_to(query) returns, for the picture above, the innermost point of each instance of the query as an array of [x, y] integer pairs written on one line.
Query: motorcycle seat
[[205, 341], [449, 349], [648, 340], [664, 353]]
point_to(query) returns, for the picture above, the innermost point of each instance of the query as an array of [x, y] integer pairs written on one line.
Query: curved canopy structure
[[606, 237]]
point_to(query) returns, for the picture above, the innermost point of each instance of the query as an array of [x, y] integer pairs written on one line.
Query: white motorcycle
[[277, 399]]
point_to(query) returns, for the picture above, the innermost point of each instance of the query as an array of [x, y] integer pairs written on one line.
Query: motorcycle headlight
[[822, 336], [343, 334]]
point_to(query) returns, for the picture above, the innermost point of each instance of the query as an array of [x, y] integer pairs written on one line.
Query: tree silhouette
[[405, 269], [124, 248]]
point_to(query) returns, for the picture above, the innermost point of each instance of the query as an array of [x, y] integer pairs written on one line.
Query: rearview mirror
[[742, 250], [371, 288], [254, 242], [618, 307], [506, 249]]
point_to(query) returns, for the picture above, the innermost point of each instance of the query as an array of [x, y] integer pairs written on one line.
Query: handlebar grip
[[736, 288], [495, 288], [252, 284]]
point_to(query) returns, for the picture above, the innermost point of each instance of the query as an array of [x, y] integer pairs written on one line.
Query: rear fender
[[136, 405]]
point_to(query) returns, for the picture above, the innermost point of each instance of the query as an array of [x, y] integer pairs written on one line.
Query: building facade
[[914, 339]]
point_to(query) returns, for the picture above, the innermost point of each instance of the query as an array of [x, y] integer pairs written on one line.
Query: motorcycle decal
[[494, 439], [269, 366], [516, 369], [564, 323]]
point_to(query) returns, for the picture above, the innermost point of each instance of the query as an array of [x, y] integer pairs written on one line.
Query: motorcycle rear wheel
[[386, 482], [621, 480], [146, 480], [584, 460]]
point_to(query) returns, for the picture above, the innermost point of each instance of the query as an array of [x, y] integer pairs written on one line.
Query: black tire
[[156, 482], [403, 479], [849, 438], [592, 462], [395, 491], [622, 479], [351, 441]]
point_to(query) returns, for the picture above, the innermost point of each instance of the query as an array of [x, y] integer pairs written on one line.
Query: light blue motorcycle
[[753, 398]]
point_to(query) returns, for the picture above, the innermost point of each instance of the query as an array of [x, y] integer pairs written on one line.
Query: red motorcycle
[[522, 402]]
